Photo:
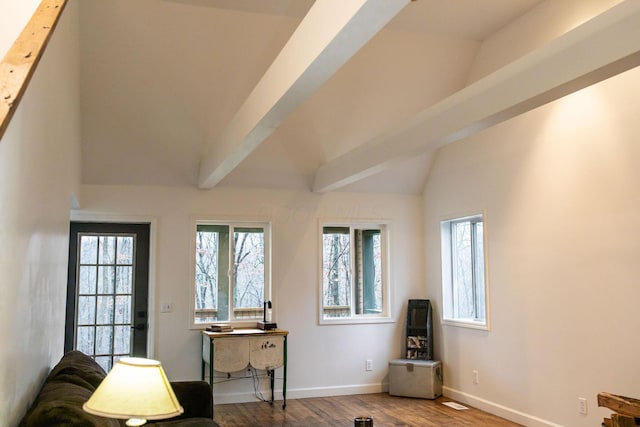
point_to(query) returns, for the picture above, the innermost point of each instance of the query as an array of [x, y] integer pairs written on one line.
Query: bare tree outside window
[[104, 296], [230, 272], [463, 271], [248, 268], [336, 268], [353, 283], [207, 269]]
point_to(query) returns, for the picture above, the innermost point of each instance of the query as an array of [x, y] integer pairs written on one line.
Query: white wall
[[562, 200], [39, 170], [323, 360], [14, 16]]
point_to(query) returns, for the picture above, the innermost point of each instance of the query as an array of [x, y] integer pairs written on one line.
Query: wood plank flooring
[[339, 411]]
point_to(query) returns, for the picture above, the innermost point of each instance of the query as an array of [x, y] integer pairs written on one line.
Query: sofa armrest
[[196, 397]]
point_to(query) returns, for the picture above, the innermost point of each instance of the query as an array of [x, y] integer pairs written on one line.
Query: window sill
[[470, 324], [356, 320], [235, 324]]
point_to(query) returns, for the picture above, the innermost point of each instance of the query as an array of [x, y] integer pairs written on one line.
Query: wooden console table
[[238, 349]]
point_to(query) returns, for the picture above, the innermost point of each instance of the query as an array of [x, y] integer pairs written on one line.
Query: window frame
[[268, 288], [449, 316], [385, 315]]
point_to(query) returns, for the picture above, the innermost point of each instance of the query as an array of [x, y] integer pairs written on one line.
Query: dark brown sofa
[[72, 381]]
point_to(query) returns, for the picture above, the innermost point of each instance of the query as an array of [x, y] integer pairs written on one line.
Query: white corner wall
[[560, 189], [323, 360], [39, 171], [14, 16]]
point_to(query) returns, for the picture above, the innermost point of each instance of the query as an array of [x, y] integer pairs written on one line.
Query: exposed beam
[[22, 59], [331, 33], [602, 47]]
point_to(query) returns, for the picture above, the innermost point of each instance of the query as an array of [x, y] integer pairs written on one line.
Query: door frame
[[77, 216]]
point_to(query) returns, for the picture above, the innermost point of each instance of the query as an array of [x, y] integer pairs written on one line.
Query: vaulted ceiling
[[331, 95]]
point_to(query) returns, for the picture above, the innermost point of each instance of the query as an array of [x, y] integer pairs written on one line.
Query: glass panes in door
[[104, 317]]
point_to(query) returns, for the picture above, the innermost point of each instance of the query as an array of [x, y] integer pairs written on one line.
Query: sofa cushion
[[196, 398], [78, 368], [60, 404]]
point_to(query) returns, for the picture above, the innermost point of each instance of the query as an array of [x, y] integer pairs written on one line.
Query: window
[[354, 283], [231, 272], [464, 287]]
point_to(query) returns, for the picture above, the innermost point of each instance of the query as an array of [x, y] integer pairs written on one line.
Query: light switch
[[166, 307]]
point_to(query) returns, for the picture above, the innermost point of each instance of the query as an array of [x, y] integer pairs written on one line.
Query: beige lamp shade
[[136, 389]]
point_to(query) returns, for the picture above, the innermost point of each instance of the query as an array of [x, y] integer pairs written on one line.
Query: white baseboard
[[496, 409], [303, 393], [300, 393]]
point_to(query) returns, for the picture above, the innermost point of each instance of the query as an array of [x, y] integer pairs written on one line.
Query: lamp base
[[266, 326]]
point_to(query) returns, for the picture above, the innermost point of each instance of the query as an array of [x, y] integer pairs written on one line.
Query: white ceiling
[[163, 81]]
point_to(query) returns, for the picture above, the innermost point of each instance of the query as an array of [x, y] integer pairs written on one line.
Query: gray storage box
[[415, 378]]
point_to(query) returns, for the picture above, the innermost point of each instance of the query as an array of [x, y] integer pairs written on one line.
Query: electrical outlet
[[368, 365], [582, 406], [476, 378]]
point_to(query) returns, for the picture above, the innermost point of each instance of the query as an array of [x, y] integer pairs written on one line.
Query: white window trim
[[268, 285], [385, 317], [446, 274]]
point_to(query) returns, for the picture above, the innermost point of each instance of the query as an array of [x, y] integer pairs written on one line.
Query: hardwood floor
[[339, 411]]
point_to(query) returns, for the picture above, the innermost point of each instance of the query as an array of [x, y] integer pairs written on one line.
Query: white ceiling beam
[[331, 33], [602, 47]]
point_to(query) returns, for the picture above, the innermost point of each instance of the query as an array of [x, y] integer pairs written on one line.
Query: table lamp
[[266, 323], [136, 389]]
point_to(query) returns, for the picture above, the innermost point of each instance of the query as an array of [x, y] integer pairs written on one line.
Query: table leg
[[272, 380], [211, 371], [211, 363], [202, 360], [284, 378]]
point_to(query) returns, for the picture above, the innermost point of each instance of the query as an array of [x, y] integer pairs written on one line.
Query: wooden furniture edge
[[619, 420], [20, 62], [244, 332], [620, 404]]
